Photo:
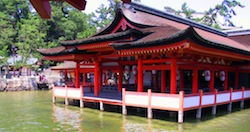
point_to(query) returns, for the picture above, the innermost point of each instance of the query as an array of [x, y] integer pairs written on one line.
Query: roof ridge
[[175, 18]]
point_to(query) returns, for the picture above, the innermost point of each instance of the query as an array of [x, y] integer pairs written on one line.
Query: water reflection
[[68, 119]]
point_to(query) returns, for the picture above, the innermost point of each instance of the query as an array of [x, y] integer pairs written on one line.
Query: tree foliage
[[21, 27], [210, 18]]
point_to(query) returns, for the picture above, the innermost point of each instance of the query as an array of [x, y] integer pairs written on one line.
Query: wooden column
[[181, 79], [226, 81], [120, 79], [195, 80], [173, 77], [211, 83], [236, 79], [96, 78], [163, 81], [140, 76], [77, 75]]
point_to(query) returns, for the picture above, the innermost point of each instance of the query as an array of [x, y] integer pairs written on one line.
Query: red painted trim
[[156, 49], [216, 52], [123, 23]]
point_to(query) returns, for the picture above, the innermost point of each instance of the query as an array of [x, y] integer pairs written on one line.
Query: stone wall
[[24, 83]]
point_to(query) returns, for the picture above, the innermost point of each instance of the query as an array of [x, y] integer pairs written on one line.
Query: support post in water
[[81, 95], [229, 107], [81, 103], [101, 106], [66, 97], [198, 113], [242, 101]]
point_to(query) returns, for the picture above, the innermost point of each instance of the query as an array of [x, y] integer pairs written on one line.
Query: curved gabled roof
[[201, 37], [106, 37], [61, 50]]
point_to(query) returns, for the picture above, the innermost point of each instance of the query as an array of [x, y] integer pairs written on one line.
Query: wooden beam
[[42, 7], [78, 4]]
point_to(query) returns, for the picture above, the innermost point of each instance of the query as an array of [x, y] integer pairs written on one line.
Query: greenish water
[[33, 111]]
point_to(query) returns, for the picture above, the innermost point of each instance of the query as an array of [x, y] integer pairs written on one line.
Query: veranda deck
[[172, 102]]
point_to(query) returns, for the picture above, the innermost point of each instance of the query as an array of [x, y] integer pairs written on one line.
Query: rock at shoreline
[[23, 83]]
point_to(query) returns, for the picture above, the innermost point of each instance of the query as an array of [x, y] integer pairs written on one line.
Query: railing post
[[199, 110], [242, 101], [229, 107], [215, 100], [150, 114], [124, 109], [81, 95], [66, 95], [181, 112]]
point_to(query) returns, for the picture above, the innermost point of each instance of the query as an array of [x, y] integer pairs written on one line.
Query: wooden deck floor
[[114, 98]]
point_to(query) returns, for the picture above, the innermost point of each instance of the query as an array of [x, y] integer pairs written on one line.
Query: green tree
[[105, 14], [225, 9]]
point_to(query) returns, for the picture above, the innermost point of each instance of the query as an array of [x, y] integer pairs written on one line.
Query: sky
[[242, 17]]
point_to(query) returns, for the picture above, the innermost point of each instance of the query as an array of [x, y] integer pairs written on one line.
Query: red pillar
[[211, 83], [181, 79], [77, 75], [195, 80], [140, 76], [120, 79], [96, 78], [163, 81], [173, 77], [236, 79], [226, 81]]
